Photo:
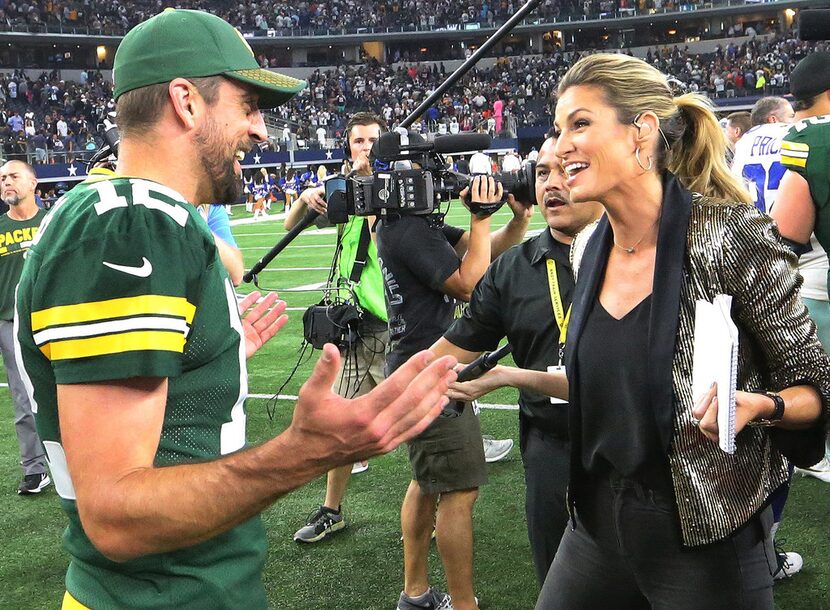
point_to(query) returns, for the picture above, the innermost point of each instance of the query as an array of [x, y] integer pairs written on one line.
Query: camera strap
[[362, 253], [562, 317]]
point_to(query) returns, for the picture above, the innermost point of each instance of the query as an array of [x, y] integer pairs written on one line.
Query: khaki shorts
[[362, 369], [449, 455]]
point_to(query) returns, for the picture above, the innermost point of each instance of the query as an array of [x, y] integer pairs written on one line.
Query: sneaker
[[33, 484], [496, 450], [433, 599], [789, 563], [821, 471], [359, 467], [321, 523]]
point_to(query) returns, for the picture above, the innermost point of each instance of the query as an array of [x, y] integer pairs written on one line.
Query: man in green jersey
[[17, 229], [134, 351], [803, 203]]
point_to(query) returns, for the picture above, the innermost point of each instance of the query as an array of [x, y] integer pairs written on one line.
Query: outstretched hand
[[262, 322], [468, 391], [339, 430]]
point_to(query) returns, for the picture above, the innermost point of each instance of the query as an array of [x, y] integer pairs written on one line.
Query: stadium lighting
[[101, 52], [789, 13]]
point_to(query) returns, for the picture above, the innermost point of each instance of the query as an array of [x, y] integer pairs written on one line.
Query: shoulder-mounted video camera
[[412, 177]]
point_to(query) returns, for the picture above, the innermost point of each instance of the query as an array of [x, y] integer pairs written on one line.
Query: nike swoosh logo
[[144, 271]]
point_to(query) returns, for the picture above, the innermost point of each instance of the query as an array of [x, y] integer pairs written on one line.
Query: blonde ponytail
[[698, 157]]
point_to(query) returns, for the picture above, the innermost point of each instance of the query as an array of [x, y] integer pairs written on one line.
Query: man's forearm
[[232, 260], [295, 214], [477, 258], [444, 347], [178, 506], [509, 235]]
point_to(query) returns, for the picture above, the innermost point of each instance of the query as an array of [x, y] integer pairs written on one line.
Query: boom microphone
[[388, 146], [814, 24]]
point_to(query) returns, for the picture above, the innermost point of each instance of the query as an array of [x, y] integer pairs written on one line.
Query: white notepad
[[716, 360]]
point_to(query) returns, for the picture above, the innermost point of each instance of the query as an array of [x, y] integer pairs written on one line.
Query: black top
[[416, 257], [513, 300], [618, 427]]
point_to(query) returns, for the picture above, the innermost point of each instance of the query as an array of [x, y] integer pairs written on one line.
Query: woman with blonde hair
[[662, 517]]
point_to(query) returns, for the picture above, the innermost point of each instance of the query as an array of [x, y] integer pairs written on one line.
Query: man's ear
[[186, 101]]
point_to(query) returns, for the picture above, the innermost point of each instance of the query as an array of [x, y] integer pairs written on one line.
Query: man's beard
[[217, 162], [11, 200]]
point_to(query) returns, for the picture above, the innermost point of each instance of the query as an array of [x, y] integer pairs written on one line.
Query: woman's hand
[[748, 406], [469, 391]]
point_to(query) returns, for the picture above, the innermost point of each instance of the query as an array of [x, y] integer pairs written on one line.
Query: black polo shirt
[[513, 300]]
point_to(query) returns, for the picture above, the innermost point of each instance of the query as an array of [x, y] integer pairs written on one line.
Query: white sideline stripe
[[283, 269], [483, 405], [315, 286], [306, 233], [329, 246]]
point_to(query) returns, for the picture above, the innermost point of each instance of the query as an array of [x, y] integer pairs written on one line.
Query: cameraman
[[525, 295], [363, 369], [427, 266]]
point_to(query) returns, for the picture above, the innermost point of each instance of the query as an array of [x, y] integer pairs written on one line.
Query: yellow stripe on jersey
[[113, 308], [70, 603], [787, 161], [141, 340], [794, 146]]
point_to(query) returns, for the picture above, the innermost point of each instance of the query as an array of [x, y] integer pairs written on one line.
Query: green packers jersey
[[15, 238], [369, 290], [124, 280], [806, 150]]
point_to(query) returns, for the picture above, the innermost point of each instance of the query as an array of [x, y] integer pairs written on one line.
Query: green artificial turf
[[361, 568]]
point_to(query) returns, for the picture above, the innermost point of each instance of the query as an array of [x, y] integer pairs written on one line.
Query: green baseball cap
[[180, 43]]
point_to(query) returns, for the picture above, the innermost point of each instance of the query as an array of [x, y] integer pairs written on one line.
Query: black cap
[[811, 76]]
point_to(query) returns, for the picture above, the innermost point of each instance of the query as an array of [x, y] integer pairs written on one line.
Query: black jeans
[[545, 457], [626, 553]]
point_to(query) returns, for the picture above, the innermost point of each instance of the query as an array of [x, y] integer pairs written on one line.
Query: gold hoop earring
[[640, 163]]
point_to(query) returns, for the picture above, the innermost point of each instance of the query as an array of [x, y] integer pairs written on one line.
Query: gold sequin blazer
[[705, 248]]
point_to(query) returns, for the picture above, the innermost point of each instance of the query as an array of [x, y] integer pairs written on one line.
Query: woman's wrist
[[769, 408]]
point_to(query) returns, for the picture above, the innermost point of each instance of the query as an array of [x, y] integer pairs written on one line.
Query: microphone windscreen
[[465, 142]]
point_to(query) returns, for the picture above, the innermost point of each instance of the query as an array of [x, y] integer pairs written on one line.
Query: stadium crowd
[[51, 119], [114, 17]]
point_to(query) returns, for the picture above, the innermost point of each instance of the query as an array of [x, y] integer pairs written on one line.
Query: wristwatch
[[777, 414]]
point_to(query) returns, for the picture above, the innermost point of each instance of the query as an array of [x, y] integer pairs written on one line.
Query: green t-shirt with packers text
[[806, 150], [124, 280], [15, 238]]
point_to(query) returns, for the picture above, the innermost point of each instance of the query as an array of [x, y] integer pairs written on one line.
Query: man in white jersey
[[757, 158]]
